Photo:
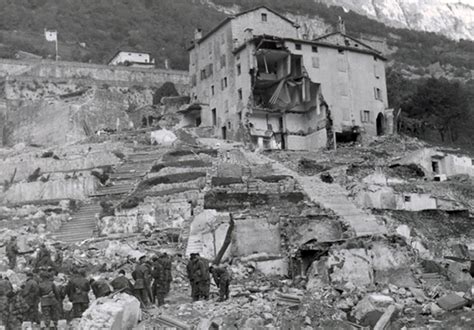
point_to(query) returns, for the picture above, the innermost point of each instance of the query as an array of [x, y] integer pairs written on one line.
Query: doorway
[[380, 124], [224, 133]]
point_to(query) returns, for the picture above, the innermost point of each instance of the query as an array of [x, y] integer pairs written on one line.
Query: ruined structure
[[254, 77], [132, 58]]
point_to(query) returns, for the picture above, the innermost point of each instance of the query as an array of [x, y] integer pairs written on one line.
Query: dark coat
[[221, 276], [122, 283], [167, 265], [141, 275], [11, 249], [44, 258], [30, 292], [48, 292], [100, 288], [78, 290], [200, 270], [159, 276]]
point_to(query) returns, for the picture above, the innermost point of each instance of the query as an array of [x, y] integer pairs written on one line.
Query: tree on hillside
[[441, 105]]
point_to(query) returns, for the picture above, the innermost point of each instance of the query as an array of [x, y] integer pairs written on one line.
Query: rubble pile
[[294, 262]]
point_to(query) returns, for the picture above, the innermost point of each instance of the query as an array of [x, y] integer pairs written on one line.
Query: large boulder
[[121, 311], [163, 137]]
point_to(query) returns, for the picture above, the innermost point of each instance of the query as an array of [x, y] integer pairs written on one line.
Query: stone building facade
[[254, 78]]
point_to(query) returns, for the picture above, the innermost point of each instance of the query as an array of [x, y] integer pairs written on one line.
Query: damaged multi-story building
[[257, 78]]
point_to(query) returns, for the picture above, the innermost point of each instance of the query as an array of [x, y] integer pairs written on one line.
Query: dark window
[[240, 93], [224, 83], [407, 198], [239, 70], [198, 121], [214, 117], [378, 93], [229, 125], [298, 46], [212, 90], [314, 49], [435, 167], [264, 17], [203, 74], [240, 115]]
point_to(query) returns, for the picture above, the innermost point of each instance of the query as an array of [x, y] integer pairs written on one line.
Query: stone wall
[[75, 70]]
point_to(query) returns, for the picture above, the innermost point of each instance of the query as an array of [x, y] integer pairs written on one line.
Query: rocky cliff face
[[453, 18]]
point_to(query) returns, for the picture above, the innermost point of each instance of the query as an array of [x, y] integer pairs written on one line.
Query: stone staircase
[[123, 180], [332, 197], [82, 225], [335, 198]]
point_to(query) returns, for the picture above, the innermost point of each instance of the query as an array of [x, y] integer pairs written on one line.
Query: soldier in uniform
[[5, 291], [202, 277], [222, 279], [121, 283], [159, 282], [43, 259], [12, 251], [77, 291], [189, 271], [198, 273], [167, 263], [141, 277], [30, 293], [18, 310], [100, 288], [49, 297]]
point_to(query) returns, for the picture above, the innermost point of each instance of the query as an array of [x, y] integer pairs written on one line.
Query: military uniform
[[30, 293], [18, 311], [201, 278], [100, 288], [167, 265], [77, 290], [123, 284], [49, 298], [222, 279], [5, 291], [189, 271], [159, 283], [12, 251], [141, 286], [43, 259]]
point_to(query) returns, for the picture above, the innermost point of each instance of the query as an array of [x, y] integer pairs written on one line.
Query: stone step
[[85, 225], [75, 238]]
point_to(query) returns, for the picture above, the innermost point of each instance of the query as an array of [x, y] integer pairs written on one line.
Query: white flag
[[51, 35]]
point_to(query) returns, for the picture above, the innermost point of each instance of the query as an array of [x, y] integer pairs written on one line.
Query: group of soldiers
[[199, 271], [152, 279]]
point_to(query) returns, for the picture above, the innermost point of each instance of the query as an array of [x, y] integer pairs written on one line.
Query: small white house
[[129, 58]]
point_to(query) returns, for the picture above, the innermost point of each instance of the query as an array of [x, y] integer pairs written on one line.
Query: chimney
[[341, 26], [197, 34], [248, 34]]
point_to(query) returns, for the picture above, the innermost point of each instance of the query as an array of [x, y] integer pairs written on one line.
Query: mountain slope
[[452, 18], [93, 30]]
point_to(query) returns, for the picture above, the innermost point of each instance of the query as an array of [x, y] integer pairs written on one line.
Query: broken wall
[[74, 188], [448, 164], [256, 236], [347, 80]]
